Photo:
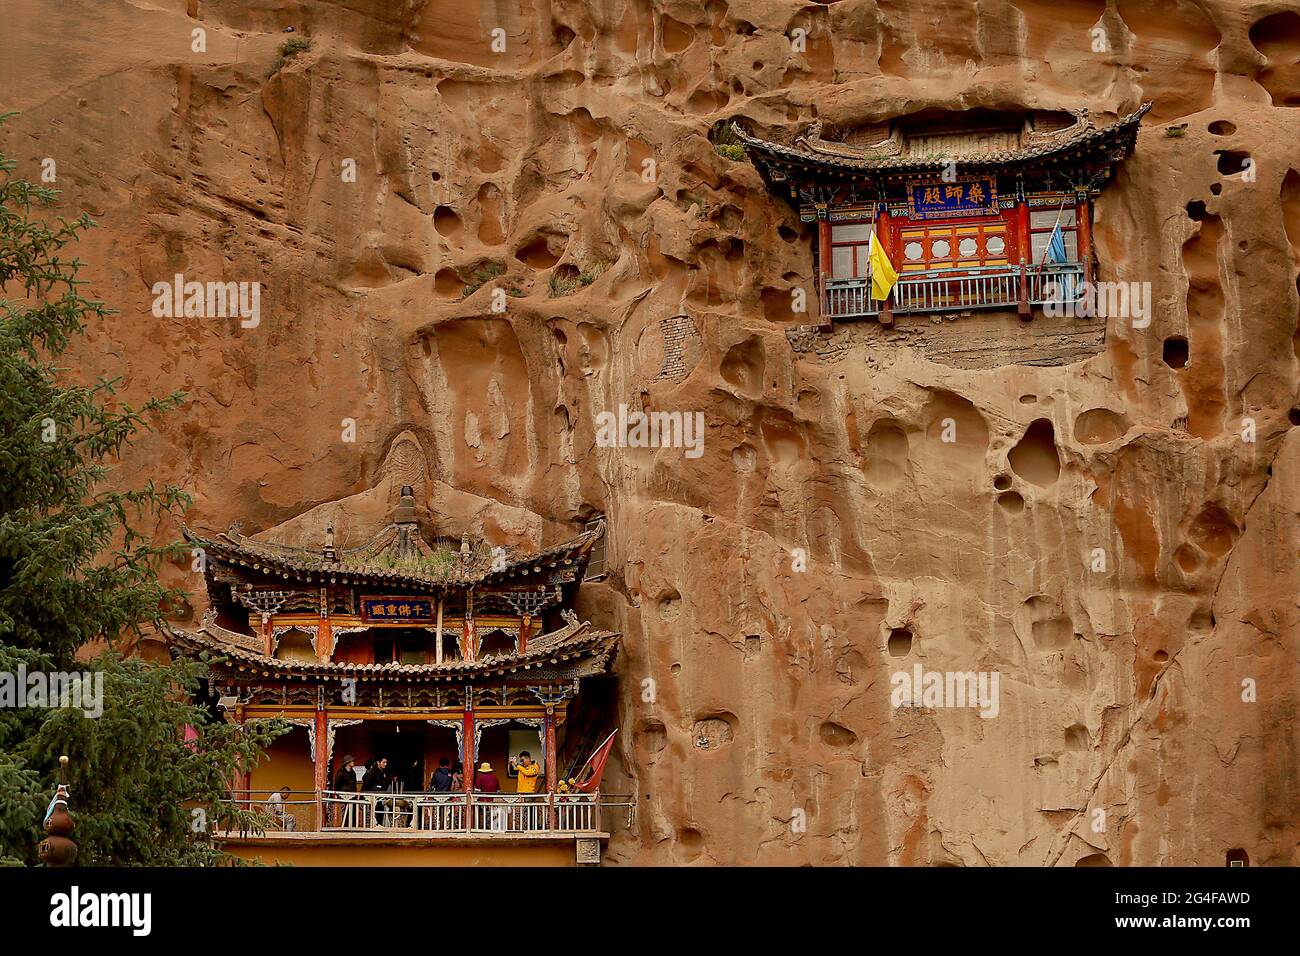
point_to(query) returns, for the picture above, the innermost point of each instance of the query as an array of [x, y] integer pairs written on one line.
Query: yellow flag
[[883, 274]]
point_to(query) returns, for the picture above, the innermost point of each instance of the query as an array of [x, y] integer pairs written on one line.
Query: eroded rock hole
[[710, 733], [1232, 161], [1097, 426], [538, 253], [447, 284], [900, 642], [1176, 351], [447, 222], [835, 735], [670, 604], [1035, 458], [655, 735]]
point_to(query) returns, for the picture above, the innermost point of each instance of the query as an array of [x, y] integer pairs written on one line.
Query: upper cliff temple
[[415, 651], [964, 205]]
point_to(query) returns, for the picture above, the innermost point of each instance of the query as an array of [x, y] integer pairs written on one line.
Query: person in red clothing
[[485, 781]]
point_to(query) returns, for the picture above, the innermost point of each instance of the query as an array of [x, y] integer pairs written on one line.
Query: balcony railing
[[995, 287], [428, 814]]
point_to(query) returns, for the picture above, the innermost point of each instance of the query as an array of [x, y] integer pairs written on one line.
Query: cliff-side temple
[[963, 204], [398, 657]]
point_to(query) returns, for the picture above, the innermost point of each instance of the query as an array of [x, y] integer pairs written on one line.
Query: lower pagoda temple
[[434, 687], [964, 205]]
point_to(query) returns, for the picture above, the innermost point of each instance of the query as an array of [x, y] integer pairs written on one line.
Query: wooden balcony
[[996, 287], [425, 816]]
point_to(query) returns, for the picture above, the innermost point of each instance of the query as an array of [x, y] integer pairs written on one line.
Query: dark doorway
[[405, 752]]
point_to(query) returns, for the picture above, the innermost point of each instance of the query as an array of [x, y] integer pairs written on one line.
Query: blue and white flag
[[1067, 288], [1056, 245]]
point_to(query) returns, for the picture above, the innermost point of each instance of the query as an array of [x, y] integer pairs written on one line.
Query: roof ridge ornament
[[405, 513]]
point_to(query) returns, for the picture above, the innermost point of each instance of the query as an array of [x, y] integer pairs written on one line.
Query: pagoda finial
[[57, 849], [330, 553], [464, 546], [405, 513]]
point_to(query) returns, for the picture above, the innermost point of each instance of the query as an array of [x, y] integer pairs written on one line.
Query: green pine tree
[[75, 571]]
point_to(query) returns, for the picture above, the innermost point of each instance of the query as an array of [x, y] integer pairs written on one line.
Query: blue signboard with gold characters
[[396, 609], [970, 197]]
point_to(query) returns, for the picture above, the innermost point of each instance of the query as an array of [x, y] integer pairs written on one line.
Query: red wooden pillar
[[886, 316], [824, 263], [324, 640], [548, 734], [552, 771], [1083, 221], [525, 622], [324, 632], [468, 637], [1026, 255], [268, 641], [322, 763], [467, 742]]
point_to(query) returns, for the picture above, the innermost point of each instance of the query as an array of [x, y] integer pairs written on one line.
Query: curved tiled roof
[[573, 644], [234, 548], [811, 152]]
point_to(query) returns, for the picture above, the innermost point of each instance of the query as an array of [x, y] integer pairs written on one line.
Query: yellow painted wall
[[543, 854], [287, 764]]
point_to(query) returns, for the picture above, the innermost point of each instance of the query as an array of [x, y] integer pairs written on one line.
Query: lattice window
[[850, 246], [1041, 223], [954, 245], [596, 561]]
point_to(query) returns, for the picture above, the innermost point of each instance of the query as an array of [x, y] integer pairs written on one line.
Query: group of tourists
[[448, 778]]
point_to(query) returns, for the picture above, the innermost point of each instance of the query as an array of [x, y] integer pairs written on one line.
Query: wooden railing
[[430, 814], [945, 291]]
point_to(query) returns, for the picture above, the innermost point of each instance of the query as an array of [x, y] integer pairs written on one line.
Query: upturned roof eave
[[565, 649], [231, 552], [765, 154]]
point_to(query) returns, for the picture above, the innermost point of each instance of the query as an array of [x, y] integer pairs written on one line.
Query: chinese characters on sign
[[945, 199], [396, 609]]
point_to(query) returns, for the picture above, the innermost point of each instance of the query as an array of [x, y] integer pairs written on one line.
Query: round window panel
[[912, 250], [940, 249], [967, 247], [996, 246]]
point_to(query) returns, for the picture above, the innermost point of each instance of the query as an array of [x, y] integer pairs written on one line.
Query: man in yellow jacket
[[528, 770]]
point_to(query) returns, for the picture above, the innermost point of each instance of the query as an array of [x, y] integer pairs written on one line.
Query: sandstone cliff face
[[767, 735]]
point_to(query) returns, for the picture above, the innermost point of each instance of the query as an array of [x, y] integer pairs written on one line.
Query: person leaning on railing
[[275, 807], [377, 781], [345, 784]]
